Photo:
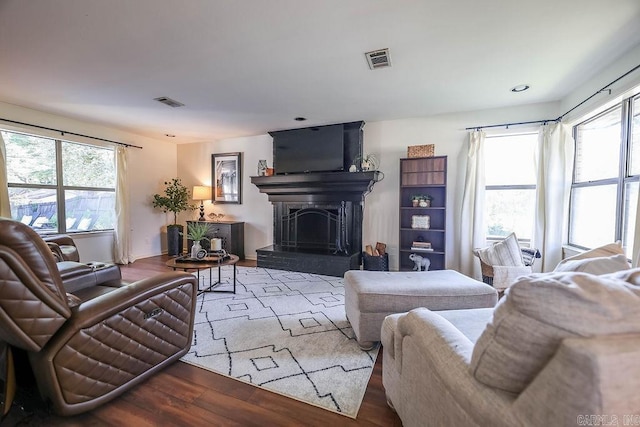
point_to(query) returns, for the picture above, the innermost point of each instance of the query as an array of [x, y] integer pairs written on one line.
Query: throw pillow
[[599, 265], [504, 253], [541, 310], [602, 251]]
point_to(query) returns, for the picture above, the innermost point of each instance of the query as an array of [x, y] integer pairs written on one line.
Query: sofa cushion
[[607, 250], [598, 265], [471, 322], [506, 252], [538, 312]]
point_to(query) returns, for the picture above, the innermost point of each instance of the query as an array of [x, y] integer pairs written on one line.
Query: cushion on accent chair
[[539, 311], [504, 253]]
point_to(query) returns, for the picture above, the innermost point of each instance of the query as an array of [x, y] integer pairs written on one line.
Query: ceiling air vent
[[168, 101], [378, 58]]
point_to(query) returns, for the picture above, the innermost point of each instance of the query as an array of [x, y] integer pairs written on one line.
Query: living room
[[603, 58]]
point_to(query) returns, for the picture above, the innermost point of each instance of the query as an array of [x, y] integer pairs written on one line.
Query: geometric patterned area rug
[[286, 332]]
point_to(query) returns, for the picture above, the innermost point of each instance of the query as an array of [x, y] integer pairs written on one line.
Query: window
[[510, 185], [51, 179], [604, 195]]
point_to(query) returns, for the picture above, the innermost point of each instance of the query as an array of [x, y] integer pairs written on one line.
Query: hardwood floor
[[185, 395]]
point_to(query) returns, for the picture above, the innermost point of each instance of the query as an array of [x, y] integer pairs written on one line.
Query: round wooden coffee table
[[210, 264]]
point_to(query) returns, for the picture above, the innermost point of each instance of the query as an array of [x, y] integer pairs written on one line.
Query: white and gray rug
[[286, 332]]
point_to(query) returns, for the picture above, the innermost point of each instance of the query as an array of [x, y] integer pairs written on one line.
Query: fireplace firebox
[[320, 229]]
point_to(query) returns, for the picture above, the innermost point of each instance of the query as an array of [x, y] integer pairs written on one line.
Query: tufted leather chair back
[[33, 304], [113, 337]]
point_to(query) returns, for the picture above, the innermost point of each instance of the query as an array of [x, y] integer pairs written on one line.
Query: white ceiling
[[245, 67]]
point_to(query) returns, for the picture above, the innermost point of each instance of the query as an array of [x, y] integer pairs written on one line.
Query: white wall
[[388, 140], [621, 66], [149, 167], [194, 168]]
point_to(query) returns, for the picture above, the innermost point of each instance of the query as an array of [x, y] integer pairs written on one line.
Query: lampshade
[[200, 192]]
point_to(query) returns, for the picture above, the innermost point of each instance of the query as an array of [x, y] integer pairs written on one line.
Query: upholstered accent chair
[[504, 261], [87, 348]]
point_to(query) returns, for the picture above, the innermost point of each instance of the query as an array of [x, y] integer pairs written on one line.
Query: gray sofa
[[558, 349]]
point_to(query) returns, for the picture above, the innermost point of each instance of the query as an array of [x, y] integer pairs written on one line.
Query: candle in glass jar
[[216, 244]]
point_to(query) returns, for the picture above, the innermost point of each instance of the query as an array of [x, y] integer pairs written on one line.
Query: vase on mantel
[[195, 248]]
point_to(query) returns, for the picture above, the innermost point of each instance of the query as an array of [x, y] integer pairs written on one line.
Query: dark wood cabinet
[[426, 224], [231, 233]]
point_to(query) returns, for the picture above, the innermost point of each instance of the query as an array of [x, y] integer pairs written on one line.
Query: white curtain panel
[[553, 187], [472, 230], [121, 238], [635, 255], [5, 206]]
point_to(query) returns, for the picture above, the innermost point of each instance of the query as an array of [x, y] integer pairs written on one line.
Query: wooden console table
[[231, 233]]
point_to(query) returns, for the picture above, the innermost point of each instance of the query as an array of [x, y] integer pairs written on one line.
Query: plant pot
[[195, 248], [174, 239], [415, 202]]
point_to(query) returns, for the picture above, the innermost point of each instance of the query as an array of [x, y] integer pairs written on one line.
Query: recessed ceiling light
[[300, 119], [170, 135], [520, 88]]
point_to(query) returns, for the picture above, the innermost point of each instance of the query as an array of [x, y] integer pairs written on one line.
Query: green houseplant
[[425, 201], [175, 200], [197, 232], [422, 200]]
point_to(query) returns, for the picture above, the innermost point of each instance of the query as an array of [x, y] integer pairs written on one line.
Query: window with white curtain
[[604, 194], [510, 185], [59, 186]]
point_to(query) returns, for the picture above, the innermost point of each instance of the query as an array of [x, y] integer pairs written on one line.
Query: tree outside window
[[81, 190], [510, 185]]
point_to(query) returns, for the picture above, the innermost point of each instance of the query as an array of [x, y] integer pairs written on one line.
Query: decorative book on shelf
[[420, 244]]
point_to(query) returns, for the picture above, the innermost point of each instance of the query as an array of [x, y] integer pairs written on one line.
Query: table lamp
[[201, 193]]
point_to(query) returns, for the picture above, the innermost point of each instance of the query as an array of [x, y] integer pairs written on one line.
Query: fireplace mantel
[[317, 187]]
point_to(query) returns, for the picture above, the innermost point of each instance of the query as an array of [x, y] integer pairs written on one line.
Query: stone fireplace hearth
[[317, 220]]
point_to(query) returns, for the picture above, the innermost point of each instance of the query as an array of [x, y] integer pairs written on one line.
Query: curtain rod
[[63, 132], [604, 88], [511, 124]]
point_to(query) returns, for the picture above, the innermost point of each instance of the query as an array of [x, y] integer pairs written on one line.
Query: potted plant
[[415, 200], [425, 201], [176, 200], [197, 232]]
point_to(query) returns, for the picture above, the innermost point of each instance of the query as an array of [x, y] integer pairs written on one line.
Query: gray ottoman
[[370, 296]]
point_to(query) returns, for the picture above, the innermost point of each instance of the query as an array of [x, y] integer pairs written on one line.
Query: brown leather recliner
[[63, 247], [86, 350]]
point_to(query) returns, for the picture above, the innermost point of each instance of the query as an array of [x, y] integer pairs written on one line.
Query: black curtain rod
[[63, 132], [511, 124], [604, 88]]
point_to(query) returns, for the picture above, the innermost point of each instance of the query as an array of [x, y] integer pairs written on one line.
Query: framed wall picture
[[226, 177]]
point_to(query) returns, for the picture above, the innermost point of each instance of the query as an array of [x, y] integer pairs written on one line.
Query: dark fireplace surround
[[317, 216]]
